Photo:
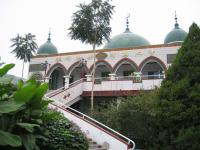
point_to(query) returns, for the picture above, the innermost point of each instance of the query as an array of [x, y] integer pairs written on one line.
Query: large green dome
[[47, 48], [176, 35], [126, 39]]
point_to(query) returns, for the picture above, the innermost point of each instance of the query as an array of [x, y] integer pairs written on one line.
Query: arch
[[74, 65], [99, 62], [120, 62], [152, 59], [57, 65]]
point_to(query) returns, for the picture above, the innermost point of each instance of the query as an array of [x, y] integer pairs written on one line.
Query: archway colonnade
[[151, 68]]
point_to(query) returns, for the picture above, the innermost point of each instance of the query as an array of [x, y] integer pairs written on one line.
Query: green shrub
[[134, 117], [63, 135]]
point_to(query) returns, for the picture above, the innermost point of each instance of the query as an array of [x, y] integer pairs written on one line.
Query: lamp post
[[83, 63], [45, 65]]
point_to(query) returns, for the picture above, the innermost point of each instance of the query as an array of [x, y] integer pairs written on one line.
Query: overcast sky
[[152, 19]]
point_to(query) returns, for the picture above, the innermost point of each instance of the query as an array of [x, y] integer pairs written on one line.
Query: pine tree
[[179, 115]]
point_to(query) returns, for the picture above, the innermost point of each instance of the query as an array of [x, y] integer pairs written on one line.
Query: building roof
[[47, 48]]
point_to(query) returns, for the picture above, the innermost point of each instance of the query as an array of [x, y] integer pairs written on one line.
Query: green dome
[[126, 39], [47, 48], [176, 35]]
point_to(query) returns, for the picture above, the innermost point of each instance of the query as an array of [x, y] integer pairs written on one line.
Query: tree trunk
[[93, 76], [23, 70]]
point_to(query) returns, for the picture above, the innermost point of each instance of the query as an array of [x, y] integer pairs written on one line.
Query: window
[[170, 58]]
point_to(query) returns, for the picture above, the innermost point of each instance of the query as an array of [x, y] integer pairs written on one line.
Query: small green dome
[[126, 39], [47, 48], [176, 35]]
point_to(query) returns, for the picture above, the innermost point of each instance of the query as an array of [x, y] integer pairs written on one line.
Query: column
[[163, 72], [66, 81], [112, 76], [46, 79], [89, 77]]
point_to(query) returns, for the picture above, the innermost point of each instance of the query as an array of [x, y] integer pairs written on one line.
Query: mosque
[[126, 64]]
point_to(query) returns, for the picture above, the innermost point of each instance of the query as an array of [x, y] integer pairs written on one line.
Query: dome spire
[[176, 22], [127, 23], [49, 38]]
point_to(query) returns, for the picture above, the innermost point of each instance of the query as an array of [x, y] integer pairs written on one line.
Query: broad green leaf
[[41, 90], [7, 138], [29, 142], [5, 69], [20, 84], [32, 81], [10, 106], [25, 93], [28, 126]]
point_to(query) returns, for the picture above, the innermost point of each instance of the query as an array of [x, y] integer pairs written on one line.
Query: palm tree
[[91, 25], [24, 48]]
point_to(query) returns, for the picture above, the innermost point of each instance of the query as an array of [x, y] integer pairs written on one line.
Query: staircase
[[105, 138]]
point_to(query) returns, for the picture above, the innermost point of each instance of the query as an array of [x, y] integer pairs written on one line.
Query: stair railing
[[130, 144]]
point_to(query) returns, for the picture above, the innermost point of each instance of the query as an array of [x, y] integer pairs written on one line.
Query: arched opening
[[125, 67], [78, 72], [57, 79], [103, 69], [152, 68]]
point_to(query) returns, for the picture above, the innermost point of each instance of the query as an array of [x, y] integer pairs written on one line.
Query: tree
[[24, 47], [180, 97], [134, 117], [90, 24]]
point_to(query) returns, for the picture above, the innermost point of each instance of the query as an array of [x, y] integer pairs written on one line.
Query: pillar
[[112, 76], [89, 77], [66, 81]]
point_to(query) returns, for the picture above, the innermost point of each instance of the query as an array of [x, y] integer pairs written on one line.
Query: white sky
[[152, 19]]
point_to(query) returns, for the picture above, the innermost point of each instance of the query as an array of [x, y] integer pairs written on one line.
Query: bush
[[134, 117], [63, 135]]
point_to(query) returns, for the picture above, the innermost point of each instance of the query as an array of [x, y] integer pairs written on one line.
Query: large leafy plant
[[21, 110]]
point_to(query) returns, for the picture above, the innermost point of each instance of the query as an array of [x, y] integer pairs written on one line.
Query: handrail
[[53, 93], [130, 143]]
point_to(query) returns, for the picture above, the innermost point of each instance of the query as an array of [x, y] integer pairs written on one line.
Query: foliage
[[179, 119], [21, 109], [91, 23], [134, 117], [63, 135], [24, 47], [170, 117]]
